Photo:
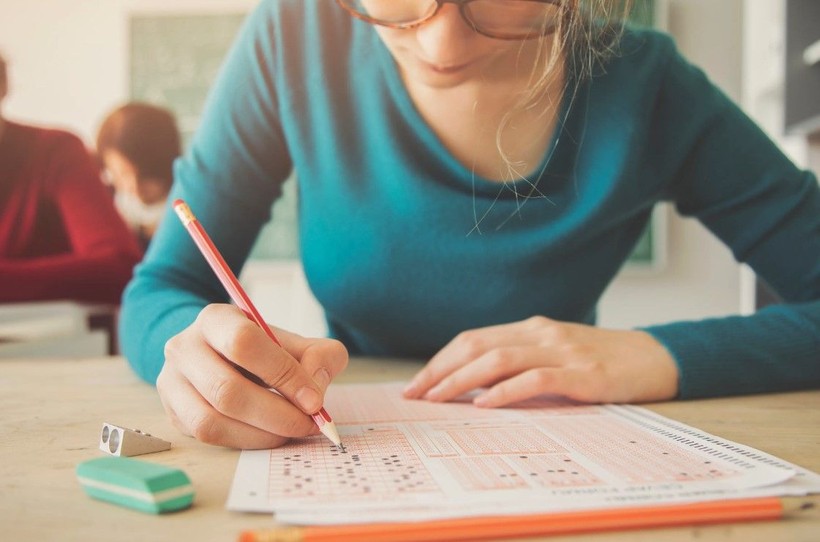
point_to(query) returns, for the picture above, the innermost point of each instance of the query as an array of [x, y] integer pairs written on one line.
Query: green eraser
[[144, 486]]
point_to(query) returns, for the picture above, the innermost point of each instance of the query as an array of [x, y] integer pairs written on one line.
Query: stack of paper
[[416, 460]]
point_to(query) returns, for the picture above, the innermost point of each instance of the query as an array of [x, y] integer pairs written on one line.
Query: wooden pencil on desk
[[585, 521], [240, 298]]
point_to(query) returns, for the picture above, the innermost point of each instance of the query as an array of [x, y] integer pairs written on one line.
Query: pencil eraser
[[141, 485]]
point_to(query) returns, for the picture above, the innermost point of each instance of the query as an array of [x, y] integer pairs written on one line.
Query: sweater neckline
[[432, 141]]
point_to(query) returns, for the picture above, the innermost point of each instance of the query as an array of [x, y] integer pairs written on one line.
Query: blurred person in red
[[60, 234]]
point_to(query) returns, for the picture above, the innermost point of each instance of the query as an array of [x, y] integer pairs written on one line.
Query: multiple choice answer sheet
[[408, 460]]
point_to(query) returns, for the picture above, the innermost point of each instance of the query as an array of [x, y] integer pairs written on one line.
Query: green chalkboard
[[174, 60]]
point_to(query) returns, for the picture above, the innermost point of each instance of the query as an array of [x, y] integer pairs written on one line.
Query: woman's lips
[[446, 70]]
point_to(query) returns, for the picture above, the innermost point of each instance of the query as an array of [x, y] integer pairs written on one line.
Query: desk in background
[[57, 329], [52, 412]]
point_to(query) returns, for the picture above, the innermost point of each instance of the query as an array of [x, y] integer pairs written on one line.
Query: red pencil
[[240, 298]]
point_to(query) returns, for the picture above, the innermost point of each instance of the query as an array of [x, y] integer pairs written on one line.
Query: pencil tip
[[329, 430]]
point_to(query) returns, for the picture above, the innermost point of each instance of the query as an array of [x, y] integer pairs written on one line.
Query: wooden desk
[[51, 412]]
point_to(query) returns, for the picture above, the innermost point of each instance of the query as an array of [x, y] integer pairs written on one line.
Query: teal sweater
[[404, 247]]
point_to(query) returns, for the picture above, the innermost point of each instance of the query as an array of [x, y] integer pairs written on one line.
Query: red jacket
[[60, 234]]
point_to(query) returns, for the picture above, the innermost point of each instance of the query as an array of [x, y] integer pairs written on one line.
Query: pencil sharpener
[[121, 441]]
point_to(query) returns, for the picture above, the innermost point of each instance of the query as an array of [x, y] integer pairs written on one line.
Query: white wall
[[69, 65], [68, 59]]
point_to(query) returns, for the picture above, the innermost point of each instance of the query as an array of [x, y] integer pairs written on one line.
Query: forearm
[[149, 317], [776, 349], [96, 278]]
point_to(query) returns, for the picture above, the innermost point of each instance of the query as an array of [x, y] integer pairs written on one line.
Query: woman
[[472, 174], [137, 144]]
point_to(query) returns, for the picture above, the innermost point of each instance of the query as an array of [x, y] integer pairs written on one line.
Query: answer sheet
[[408, 460]]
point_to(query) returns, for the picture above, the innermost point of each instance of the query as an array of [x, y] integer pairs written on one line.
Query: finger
[[226, 390], [232, 395], [323, 359], [466, 348], [197, 418], [226, 329], [473, 344], [529, 384], [492, 367]]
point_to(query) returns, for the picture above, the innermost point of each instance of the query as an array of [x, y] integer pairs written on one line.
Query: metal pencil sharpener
[[121, 441]]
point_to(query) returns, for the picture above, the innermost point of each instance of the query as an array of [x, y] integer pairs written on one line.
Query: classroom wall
[[69, 64], [69, 58]]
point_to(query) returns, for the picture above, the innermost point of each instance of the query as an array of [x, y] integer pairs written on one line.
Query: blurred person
[[136, 145], [60, 235]]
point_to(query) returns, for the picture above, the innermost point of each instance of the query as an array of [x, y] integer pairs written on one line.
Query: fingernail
[[481, 400], [322, 377], [411, 389], [433, 394], [308, 399]]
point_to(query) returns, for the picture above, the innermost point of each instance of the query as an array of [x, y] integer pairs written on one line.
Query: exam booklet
[[407, 460]]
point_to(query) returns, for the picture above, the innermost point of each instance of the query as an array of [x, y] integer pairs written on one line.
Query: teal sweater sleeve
[[735, 181], [405, 247], [229, 177]]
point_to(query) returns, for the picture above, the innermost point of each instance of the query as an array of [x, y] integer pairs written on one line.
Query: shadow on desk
[[57, 329]]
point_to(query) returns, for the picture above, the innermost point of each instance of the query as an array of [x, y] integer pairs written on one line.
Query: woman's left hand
[[541, 356]]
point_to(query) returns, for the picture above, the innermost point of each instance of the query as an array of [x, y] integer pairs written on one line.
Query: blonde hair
[[592, 31], [587, 33]]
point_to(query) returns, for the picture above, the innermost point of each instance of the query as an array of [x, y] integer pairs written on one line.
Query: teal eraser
[[141, 485]]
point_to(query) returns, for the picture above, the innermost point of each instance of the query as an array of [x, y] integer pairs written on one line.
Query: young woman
[[472, 174]]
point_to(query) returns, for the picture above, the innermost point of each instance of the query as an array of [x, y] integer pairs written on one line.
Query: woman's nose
[[444, 37]]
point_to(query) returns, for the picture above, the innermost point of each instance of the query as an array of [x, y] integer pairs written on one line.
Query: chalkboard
[[174, 60]]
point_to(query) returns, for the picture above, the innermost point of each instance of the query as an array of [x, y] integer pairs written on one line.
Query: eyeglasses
[[500, 19]]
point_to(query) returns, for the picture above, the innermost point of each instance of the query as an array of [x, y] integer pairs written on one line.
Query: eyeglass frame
[[461, 9]]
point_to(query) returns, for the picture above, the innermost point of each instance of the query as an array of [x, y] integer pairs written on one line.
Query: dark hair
[[146, 135]]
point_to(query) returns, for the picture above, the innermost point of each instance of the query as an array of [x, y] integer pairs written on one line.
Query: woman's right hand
[[207, 397]]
